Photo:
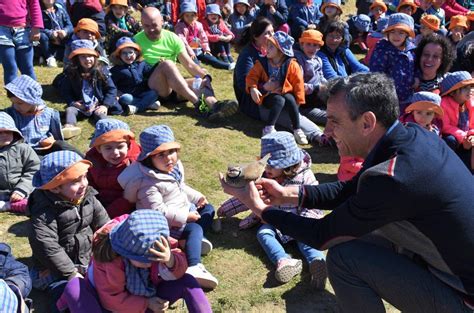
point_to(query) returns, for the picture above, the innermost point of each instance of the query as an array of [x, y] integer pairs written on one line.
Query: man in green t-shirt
[[162, 48]]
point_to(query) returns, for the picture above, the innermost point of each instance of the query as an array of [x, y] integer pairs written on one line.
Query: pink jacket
[[349, 166], [451, 117], [222, 26], [16, 13], [110, 277], [192, 35], [452, 8]]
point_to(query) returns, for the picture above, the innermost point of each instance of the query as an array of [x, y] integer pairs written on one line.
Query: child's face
[[165, 161], [423, 117], [462, 95], [73, 190], [457, 33], [438, 3], [214, 18], [273, 173], [119, 11], [114, 152], [425, 31], [241, 8], [331, 11], [425, 4], [397, 38], [6, 138], [377, 12], [272, 51], [310, 49], [128, 55], [85, 34], [86, 61], [189, 17], [407, 9], [22, 107], [48, 3]]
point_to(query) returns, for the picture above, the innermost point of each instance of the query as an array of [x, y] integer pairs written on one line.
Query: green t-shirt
[[169, 46]]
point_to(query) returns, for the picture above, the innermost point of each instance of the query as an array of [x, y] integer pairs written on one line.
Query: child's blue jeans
[[268, 238], [213, 61], [141, 101], [16, 52]]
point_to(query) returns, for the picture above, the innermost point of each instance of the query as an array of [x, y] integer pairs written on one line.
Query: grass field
[[246, 282]]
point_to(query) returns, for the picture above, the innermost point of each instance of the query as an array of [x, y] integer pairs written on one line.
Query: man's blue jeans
[[362, 274], [268, 238]]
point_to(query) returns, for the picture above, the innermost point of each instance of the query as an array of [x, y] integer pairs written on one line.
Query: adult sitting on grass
[[162, 48], [425, 231]]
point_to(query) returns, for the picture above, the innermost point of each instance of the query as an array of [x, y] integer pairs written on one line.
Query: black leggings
[[276, 103]]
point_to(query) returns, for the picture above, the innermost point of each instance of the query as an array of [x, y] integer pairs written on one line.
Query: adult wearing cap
[[162, 48], [64, 216], [422, 259]]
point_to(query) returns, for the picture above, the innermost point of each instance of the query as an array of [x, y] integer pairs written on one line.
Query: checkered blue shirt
[[36, 128], [8, 299]]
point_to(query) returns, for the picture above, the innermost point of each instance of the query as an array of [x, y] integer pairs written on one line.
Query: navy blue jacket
[[63, 20], [281, 15], [301, 15], [13, 272], [412, 189], [133, 78]]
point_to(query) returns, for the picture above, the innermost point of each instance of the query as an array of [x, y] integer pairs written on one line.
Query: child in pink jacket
[[458, 121], [218, 33]]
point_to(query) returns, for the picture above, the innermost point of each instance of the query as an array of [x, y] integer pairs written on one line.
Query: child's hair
[[102, 248], [148, 163], [291, 171]]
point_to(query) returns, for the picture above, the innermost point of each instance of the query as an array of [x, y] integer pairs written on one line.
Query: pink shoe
[[19, 207]]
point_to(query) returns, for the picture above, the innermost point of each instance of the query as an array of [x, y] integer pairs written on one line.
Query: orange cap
[[89, 25], [430, 21], [458, 21], [378, 3], [312, 36], [409, 3]]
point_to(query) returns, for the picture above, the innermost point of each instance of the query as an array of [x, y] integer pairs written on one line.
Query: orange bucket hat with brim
[[331, 3], [82, 46], [454, 81], [125, 42], [89, 25], [402, 22], [430, 21], [470, 16], [425, 101], [378, 3], [407, 3], [58, 168], [312, 36], [458, 21]]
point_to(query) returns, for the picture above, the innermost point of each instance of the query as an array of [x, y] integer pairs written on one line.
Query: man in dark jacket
[[413, 194]]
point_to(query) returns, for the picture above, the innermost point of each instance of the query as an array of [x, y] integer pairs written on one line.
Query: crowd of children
[[121, 215]]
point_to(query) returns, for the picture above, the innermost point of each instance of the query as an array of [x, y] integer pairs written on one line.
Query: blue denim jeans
[[16, 52], [213, 61], [363, 273], [268, 238], [48, 49], [142, 101]]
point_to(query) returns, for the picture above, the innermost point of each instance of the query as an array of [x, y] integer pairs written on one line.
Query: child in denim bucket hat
[[39, 125], [241, 18], [276, 82], [157, 182], [290, 166], [219, 34], [18, 164], [136, 267], [112, 149], [425, 110], [64, 215]]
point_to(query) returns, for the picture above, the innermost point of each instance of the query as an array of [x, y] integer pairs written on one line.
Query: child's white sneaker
[[4, 206], [300, 137], [206, 246], [287, 269], [51, 62], [155, 105], [231, 66], [268, 130], [70, 131], [204, 278], [132, 109]]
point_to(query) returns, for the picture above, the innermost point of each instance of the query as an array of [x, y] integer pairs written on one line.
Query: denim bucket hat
[[425, 100], [27, 89], [454, 81], [246, 2], [134, 236], [82, 46], [381, 25], [283, 149], [402, 22], [283, 42], [58, 168], [110, 129], [156, 139], [213, 9], [8, 124], [125, 42], [187, 7], [362, 22]]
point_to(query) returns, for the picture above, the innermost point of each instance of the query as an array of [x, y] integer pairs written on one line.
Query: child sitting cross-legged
[[288, 165], [64, 215], [112, 149], [241, 18], [425, 110], [18, 164], [156, 181], [219, 34]]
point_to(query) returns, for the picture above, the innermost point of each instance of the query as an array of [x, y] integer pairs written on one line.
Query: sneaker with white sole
[[287, 269], [268, 130], [319, 274], [155, 105], [132, 110], [300, 137], [204, 278], [206, 246], [51, 62], [71, 131]]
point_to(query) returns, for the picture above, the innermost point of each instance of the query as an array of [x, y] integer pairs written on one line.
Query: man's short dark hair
[[374, 92]]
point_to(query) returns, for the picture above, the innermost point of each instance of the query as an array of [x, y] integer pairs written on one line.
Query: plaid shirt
[[38, 127], [8, 298]]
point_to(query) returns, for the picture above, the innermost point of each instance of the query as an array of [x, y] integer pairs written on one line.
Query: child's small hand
[[272, 9], [161, 252], [202, 202], [271, 85], [16, 196], [35, 34], [311, 26], [193, 217], [157, 305], [468, 142], [78, 104], [416, 84], [61, 34], [256, 95], [101, 109]]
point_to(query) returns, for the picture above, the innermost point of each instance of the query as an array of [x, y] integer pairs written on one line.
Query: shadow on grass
[[325, 178], [51, 94], [19, 229]]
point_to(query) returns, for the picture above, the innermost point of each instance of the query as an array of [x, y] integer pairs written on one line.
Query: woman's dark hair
[[336, 26], [256, 29], [74, 70], [448, 52], [102, 248]]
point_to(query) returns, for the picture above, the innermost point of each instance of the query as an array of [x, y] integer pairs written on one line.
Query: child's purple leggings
[[79, 296]]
